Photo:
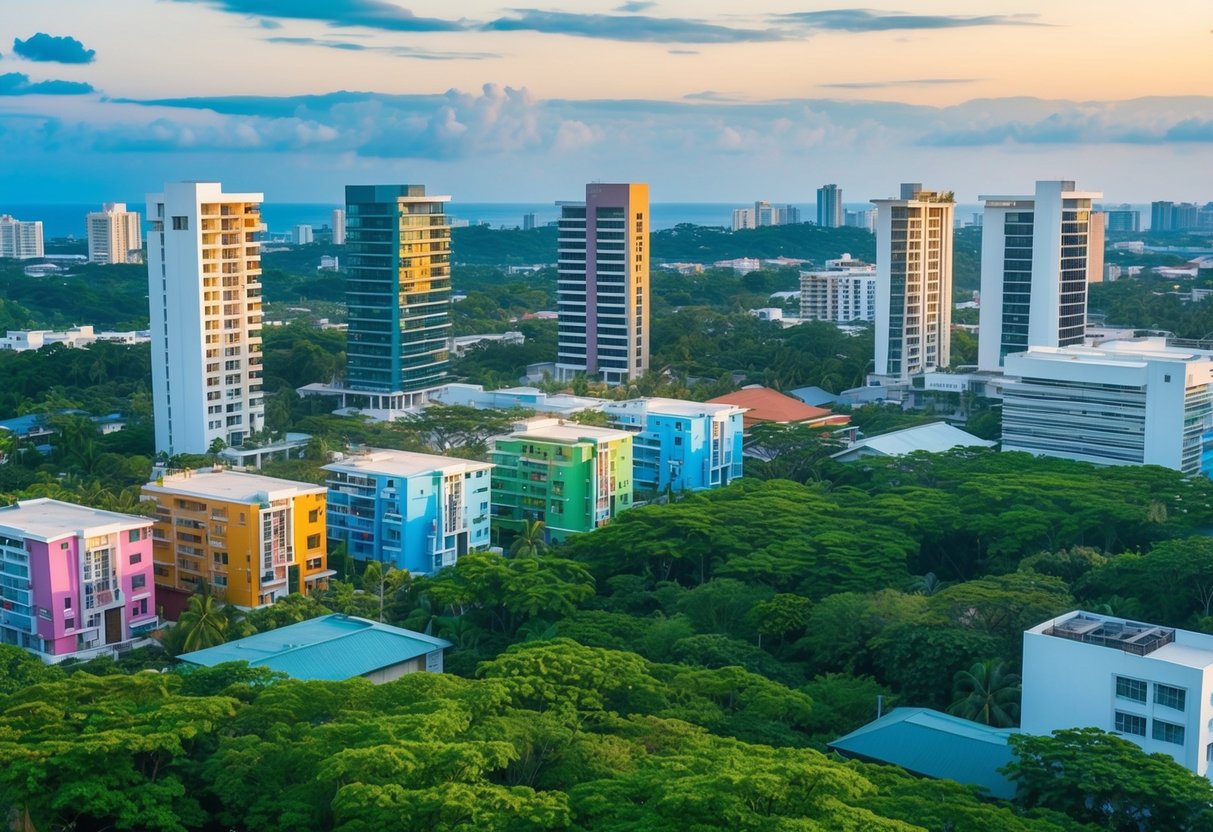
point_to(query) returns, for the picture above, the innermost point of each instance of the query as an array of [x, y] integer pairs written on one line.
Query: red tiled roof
[[767, 405]]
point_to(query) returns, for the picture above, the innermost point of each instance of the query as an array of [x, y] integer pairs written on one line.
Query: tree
[[988, 694], [531, 540], [203, 623], [1109, 782]]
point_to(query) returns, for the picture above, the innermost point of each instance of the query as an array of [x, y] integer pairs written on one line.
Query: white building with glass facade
[[1134, 402], [1149, 684]]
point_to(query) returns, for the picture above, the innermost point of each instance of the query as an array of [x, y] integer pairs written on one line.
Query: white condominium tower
[[204, 288], [1037, 255], [913, 282], [603, 284], [114, 235], [20, 240]]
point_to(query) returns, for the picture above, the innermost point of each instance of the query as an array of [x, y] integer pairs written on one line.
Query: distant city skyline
[[495, 104]]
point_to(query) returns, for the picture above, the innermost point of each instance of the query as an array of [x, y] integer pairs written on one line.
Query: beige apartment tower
[[114, 235]]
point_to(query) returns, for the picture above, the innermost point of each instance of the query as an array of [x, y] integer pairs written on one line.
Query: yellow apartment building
[[253, 538]]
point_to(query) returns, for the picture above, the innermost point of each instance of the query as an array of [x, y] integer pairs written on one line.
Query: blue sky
[[706, 100]]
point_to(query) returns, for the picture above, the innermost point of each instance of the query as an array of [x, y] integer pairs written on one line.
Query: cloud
[[909, 82], [871, 20], [374, 14], [683, 51], [44, 47], [635, 6], [634, 28], [396, 51], [710, 95], [18, 83]]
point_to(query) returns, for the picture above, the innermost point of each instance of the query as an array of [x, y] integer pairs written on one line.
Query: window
[[1132, 689], [313, 541], [70, 624], [1169, 697], [181, 223], [136, 558], [1130, 724], [138, 581], [313, 515], [133, 536], [67, 603], [314, 564], [1168, 732]]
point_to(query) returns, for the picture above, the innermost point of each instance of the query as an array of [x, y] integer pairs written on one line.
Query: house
[[419, 512], [332, 648], [934, 438], [763, 404], [1150, 684], [75, 582]]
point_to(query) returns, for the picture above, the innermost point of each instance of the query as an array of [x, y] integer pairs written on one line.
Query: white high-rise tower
[[204, 289], [1037, 254], [114, 235]]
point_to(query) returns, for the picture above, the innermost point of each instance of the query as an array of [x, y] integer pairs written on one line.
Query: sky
[[706, 100]]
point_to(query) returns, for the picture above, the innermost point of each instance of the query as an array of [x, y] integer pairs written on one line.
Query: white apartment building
[[743, 218], [1150, 684], [913, 283], [115, 235], [20, 240], [338, 226], [603, 284], [1038, 253], [78, 337], [1135, 402], [204, 289], [844, 291], [303, 235]]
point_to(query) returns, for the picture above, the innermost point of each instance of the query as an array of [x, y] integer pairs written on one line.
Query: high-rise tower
[[913, 282], [204, 290], [829, 206], [603, 284], [398, 292], [114, 235], [1038, 253]]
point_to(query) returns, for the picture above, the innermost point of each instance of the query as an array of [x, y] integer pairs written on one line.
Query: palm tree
[[986, 693], [927, 584], [203, 622], [530, 541]]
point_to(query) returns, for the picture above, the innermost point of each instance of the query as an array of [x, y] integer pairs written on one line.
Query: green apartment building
[[573, 477]]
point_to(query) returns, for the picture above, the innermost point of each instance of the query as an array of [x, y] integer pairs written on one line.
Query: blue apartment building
[[679, 445], [414, 511]]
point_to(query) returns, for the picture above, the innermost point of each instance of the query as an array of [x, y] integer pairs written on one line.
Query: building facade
[[338, 226], [913, 282], [1038, 253], [829, 206], [1122, 218], [1149, 684], [679, 445], [204, 293], [844, 291], [20, 240], [253, 539], [115, 235], [398, 291], [1122, 403], [574, 478], [303, 235], [74, 580], [603, 284], [418, 512]]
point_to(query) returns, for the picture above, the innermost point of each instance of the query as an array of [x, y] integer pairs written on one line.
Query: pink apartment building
[[74, 580]]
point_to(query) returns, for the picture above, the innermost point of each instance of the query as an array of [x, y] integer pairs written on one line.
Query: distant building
[[115, 235], [76, 337], [762, 404], [1149, 684], [328, 263], [461, 345], [679, 445], [574, 478], [913, 283], [603, 284], [253, 539], [934, 438], [844, 291], [743, 218], [76, 581], [1120, 218], [338, 226], [1123, 403], [303, 235], [529, 221], [204, 290], [861, 219], [20, 240], [332, 648], [829, 206], [415, 511], [1038, 253], [509, 398], [789, 215], [741, 265]]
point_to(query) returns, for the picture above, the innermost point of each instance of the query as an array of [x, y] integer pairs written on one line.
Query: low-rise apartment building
[[74, 581], [418, 512], [253, 539], [572, 477]]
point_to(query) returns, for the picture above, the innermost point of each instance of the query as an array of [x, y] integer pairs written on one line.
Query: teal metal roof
[[935, 744], [332, 648]]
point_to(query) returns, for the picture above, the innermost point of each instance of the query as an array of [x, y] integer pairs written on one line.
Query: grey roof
[[935, 438], [815, 396], [935, 744]]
